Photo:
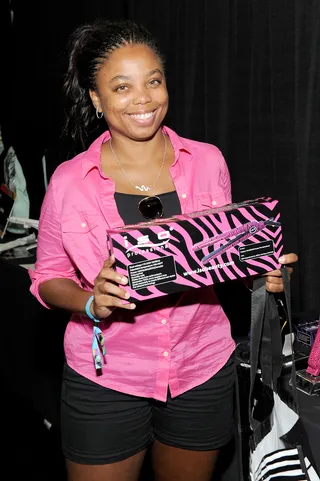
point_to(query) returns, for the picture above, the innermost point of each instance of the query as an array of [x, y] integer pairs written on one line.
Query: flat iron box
[[188, 251]]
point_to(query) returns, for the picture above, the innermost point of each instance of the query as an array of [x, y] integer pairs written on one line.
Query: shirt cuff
[[37, 279]]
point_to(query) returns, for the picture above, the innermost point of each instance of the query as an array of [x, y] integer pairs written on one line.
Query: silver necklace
[[142, 188]]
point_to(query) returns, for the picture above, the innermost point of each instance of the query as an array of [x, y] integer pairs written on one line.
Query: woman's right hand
[[107, 292]]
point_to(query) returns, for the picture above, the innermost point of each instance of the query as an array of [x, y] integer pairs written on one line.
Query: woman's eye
[[155, 82], [121, 88]]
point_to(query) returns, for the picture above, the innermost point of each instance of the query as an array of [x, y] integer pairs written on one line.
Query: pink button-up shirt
[[175, 341]]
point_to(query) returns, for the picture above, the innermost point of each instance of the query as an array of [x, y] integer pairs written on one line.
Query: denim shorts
[[103, 426]]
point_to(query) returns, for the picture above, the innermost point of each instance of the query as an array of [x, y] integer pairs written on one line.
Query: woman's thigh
[[100, 426], [200, 419], [191, 428]]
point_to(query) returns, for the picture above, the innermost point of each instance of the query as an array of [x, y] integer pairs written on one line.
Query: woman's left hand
[[274, 279]]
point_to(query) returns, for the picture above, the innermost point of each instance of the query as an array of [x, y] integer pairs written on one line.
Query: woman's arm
[[64, 294], [55, 282], [108, 293]]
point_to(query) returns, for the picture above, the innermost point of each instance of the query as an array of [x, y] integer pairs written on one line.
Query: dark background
[[242, 74]]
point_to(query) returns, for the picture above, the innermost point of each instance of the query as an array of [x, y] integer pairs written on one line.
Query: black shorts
[[102, 426]]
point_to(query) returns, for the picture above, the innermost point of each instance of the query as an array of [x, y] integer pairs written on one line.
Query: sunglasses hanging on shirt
[[151, 208]]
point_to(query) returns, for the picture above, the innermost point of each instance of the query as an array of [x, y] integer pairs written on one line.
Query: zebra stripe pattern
[[184, 268]]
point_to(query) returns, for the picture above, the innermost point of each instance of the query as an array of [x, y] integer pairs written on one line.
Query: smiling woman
[[159, 374], [132, 94]]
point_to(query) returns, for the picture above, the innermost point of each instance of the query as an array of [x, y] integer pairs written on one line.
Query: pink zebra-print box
[[194, 250]]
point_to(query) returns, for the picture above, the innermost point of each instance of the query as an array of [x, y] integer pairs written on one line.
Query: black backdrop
[[242, 74]]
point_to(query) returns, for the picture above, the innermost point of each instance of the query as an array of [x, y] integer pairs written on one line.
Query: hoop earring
[[99, 114]]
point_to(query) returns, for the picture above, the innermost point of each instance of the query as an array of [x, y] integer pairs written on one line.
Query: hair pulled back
[[89, 47]]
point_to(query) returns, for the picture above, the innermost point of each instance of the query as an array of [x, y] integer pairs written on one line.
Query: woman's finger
[[274, 280], [108, 274], [109, 288], [104, 302], [288, 258]]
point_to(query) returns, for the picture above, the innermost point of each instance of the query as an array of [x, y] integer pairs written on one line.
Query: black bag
[[279, 448]]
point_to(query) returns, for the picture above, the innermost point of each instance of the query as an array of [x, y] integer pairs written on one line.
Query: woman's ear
[[95, 100]]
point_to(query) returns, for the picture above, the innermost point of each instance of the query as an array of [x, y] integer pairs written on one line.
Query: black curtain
[[242, 74]]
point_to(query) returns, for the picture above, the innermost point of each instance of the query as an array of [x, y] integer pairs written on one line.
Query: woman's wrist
[[90, 311], [92, 308], [89, 308]]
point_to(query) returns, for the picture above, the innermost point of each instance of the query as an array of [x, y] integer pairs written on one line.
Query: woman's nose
[[142, 96]]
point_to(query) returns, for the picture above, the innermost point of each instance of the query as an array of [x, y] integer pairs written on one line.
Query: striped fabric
[[284, 465], [270, 457]]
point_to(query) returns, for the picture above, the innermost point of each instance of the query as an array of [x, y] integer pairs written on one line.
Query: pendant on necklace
[[143, 188]]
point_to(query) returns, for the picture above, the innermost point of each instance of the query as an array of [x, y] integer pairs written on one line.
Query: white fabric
[[271, 460], [15, 180]]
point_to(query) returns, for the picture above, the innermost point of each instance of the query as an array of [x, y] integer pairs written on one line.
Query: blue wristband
[[87, 309], [98, 345]]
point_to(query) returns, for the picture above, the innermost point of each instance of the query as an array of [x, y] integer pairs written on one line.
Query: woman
[[167, 379]]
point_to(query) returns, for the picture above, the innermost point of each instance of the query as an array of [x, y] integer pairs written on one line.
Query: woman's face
[[132, 92]]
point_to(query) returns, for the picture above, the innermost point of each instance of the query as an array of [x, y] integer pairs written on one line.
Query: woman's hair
[[89, 47]]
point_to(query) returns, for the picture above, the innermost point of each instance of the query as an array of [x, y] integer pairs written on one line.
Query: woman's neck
[[138, 151]]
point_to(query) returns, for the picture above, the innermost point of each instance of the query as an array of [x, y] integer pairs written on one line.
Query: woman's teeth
[[142, 116]]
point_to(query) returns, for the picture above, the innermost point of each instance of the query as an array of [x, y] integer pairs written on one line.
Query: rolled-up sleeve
[[52, 261]]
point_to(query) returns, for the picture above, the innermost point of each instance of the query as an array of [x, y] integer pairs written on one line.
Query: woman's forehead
[[131, 60]]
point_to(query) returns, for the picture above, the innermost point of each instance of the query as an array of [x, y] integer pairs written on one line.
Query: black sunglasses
[[151, 208]]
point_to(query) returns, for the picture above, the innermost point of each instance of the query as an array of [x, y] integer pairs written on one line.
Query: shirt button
[[163, 321], [214, 202], [83, 224], [184, 196], [166, 354]]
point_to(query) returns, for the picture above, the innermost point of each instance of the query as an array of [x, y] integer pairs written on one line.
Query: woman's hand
[[107, 292], [274, 279]]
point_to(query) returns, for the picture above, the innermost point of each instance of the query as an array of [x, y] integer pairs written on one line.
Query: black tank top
[[127, 205]]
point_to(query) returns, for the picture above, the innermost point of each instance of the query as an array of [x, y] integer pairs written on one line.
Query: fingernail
[[127, 295], [282, 260], [132, 306], [122, 280]]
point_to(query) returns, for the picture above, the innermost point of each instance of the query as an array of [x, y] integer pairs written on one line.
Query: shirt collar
[[91, 157], [178, 143]]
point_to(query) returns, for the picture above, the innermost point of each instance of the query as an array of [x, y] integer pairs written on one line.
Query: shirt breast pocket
[[84, 239], [211, 200]]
